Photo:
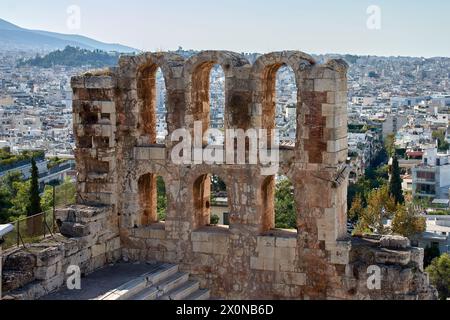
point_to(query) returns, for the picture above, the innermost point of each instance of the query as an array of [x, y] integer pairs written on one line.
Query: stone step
[[201, 294], [173, 282], [163, 287], [150, 293], [182, 292], [167, 271], [135, 286]]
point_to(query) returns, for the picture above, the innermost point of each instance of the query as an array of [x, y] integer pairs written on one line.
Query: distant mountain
[[15, 37]]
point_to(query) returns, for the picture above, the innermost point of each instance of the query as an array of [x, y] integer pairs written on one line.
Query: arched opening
[[267, 204], [151, 91], [278, 205], [286, 106], [285, 207], [220, 208], [161, 199], [211, 202], [208, 97], [161, 108], [152, 199], [280, 102], [217, 103]]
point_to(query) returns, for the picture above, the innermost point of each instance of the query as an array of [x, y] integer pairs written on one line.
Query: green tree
[[285, 210], [214, 220], [13, 197], [375, 176], [380, 206], [407, 222], [21, 200], [439, 272], [161, 199], [65, 193], [439, 135], [35, 199], [74, 57], [357, 208], [47, 199], [7, 193], [5, 203], [389, 145], [395, 184]]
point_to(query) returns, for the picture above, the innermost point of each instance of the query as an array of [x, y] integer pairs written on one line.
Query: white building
[[437, 234], [431, 179]]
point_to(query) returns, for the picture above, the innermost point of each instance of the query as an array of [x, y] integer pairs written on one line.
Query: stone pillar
[[94, 114], [321, 174]]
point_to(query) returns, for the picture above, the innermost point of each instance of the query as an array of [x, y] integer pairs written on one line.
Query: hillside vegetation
[[74, 57]]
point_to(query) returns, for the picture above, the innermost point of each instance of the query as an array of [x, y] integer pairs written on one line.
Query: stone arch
[[138, 74], [196, 74], [148, 198], [268, 186], [263, 76], [147, 92], [143, 191], [200, 183], [201, 193]]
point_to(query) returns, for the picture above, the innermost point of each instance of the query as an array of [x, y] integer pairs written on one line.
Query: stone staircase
[[164, 282]]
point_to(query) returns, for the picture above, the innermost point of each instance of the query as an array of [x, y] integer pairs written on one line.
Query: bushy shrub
[[215, 220]]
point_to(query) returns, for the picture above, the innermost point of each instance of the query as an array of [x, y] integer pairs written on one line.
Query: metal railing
[[31, 230], [36, 228]]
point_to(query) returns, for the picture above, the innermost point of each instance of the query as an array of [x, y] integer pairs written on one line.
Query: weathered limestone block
[[293, 278], [19, 261], [71, 246], [202, 247], [394, 242], [80, 258], [108, 107], [417, 258], [74, 230], [393, 257], [45, 272], [286, 242], [53, 284], [150, 153], [12, 280], [98, 249], [77, 82], [340, 253], [49, 256], [99, 82], [113, 245]]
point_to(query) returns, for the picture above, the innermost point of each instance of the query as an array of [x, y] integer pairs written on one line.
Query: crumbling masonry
[[118, 161]]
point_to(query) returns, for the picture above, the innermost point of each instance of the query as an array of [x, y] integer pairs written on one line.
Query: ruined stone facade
[[118, 161], [89, 240]]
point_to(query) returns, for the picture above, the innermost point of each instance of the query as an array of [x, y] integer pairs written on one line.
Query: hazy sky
[[415, 27]]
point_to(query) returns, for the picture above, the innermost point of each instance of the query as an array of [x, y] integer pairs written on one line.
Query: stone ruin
[[118, 160]]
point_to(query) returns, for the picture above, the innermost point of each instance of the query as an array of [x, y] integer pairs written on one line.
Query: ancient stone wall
[[90, 240], [118, 161]]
